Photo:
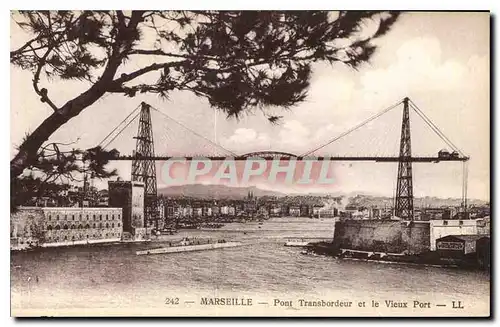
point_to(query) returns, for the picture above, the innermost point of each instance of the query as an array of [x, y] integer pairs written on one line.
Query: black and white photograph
[[255, 163]]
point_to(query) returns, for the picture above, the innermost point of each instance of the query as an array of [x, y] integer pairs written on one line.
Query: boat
[[190, 248], [297, 243]]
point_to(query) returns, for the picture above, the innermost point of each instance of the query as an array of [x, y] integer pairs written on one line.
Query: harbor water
[[113, 276]]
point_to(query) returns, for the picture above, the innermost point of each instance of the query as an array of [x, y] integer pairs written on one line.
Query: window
[[57, 227], [445, 223], [49, 227], [93, 225], [50, 217], [72, 217], [80, 226], [118, 224], [460, 222], [107, 225], [118, 216], [80, 216], [93, 216], [112, 217], [57, 217], [87, 226], [65, 227], [72, 227], [65, 238], [87, 217], [106, 217], [65, 216], [100, 217], [113, 225]]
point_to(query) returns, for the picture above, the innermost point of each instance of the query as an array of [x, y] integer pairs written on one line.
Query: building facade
[[58, 226], [442, 228]]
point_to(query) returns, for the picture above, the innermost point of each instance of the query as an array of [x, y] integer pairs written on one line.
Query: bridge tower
[[145, 170], [403, 207]]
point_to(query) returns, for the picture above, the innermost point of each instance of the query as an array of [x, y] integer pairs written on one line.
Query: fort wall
[[389, 236]]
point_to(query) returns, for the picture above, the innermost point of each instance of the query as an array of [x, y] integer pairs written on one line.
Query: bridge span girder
[[272, 157]]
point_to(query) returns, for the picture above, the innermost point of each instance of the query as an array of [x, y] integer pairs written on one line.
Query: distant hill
[[214, 191]]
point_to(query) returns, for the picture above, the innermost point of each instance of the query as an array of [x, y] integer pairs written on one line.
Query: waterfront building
[[263, 212], [457, 246], [170, 211], [215, 210], [186, 211], [198, 211], [57, 226], [207, 211], [442, 228], [224, 210], [294, 211], [285, 210], [316, 210], [444, 213], [326, 213], [275, 211], [376, 213], [304, 211]]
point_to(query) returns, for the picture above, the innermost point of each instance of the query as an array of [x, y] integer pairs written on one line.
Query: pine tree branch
[[36, 79]]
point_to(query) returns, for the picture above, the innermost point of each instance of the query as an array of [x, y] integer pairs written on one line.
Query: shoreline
[[426, 259], [195, 234]]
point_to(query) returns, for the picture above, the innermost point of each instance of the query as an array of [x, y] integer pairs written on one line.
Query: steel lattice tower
[[145, 170], [404, 191]]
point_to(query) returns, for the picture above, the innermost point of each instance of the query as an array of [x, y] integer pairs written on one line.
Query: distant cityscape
[[180, 211]]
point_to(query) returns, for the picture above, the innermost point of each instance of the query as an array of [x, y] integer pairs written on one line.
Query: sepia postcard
[[250, 163]]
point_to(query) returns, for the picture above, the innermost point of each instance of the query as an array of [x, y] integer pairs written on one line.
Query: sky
[[440, 60]]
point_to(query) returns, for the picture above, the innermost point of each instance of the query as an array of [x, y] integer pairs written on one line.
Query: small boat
[[297, 243], [190, 247]]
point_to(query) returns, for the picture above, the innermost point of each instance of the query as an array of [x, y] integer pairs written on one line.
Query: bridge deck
[[377, 159]]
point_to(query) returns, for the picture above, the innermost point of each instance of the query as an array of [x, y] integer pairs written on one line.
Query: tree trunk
[[28, 150], [27, 154]]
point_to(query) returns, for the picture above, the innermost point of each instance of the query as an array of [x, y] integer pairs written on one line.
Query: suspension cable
[[107, 144], [192, 131], [354, 128], [107, 136], [435, 128]]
